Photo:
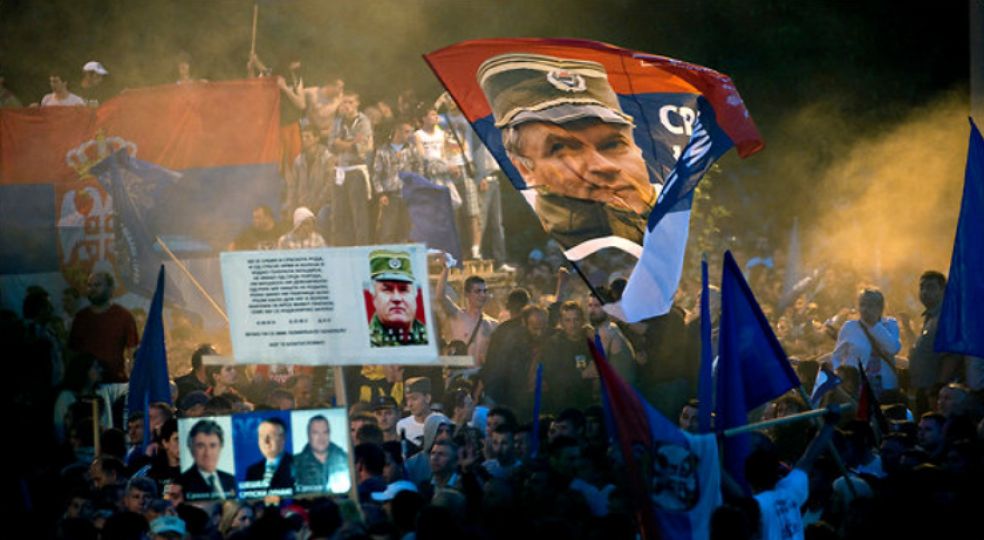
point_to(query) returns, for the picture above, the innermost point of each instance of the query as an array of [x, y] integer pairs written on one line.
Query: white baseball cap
[[95, 66]]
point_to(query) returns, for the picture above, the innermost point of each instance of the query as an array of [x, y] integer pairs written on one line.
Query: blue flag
[[675, 476], [149, 381], [752, 367], [537, 398], [961, 324], [136, 186], [432, 220], [705, 380]]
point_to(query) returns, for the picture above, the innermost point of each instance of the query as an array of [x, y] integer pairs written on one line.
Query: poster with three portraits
[[265, 453]]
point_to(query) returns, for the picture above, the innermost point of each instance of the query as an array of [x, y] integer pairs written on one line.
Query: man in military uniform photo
[[564, 130], [394, 301]]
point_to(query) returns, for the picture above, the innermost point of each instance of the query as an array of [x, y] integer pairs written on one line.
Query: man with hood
[[437, 428]]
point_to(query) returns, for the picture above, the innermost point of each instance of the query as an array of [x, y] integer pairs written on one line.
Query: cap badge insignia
[[566, 81], [394, 264]]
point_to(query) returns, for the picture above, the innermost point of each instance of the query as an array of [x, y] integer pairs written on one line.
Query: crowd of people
[[455, 452]]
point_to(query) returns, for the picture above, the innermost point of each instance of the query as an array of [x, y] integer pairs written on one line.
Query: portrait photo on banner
[[321, 444], [264, 463], [394, 299], [207, 458]]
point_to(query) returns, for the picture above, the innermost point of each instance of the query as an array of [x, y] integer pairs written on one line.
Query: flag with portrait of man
[[606, 144]]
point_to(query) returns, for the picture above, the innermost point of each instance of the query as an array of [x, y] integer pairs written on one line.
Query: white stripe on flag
[[656, 276]]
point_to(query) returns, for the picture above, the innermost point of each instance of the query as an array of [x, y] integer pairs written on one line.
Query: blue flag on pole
[[148, 381], [961, 323], [537, 398], [752, 367], [705, 380]]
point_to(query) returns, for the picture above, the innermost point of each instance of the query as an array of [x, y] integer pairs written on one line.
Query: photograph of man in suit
[[274, 470], [204, 480]]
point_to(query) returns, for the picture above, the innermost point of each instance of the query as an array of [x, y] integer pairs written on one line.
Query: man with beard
[[107, 331]]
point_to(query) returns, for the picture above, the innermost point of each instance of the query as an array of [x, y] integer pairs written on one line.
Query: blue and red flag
[[222, 139], [961, 324], [674, 476], [683, 117], [752, 368]]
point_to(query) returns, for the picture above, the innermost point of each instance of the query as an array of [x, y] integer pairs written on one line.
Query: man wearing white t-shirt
[[780, 499], [60, 96], [418, 392]]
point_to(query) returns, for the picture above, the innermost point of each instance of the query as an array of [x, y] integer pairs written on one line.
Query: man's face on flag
[[585, 159]]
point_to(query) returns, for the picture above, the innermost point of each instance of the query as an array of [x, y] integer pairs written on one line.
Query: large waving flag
[[148, 380], [961, 324], [57, 219], [675, 476], [607, 144], [752, 367]]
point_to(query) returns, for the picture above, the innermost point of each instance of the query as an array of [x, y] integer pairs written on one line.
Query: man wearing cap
[[203, 480], [168, 528], [323, 465], [303, 235], [394, 301], [565, 132], [418, 392], [387, 413], [92, 89]]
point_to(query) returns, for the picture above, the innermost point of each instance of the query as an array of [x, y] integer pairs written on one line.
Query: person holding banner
[[203, 480], [394, 301], [564, 130]]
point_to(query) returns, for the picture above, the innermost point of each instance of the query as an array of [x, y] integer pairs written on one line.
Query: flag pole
[[537, 396], [806, 415], [252, 41], [95, 427], [832, 447], [193, 280], [584, 278]]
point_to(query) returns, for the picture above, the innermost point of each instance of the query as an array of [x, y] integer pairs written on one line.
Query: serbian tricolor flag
[[193, 160], [606, 144], [674, 476]]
